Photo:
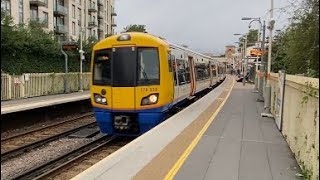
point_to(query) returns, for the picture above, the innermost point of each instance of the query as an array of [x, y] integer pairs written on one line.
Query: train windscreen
[[102, 68], [148, 67], [126, 67]]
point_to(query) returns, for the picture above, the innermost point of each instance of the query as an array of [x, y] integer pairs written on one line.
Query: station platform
[[18, 105], [221, 136]]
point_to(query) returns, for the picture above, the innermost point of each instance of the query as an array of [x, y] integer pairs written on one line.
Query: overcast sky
[[203, 25]]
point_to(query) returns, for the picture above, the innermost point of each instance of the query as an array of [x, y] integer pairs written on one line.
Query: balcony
[[42, 21], [39, 2], [61, 38], [100, 3], [113, 13], [60, 29], [60, 10], [92, 24], [100, 27], [100, 14], [92, 9], [113, 24]]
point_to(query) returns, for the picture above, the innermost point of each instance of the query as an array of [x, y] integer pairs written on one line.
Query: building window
[[73, 11], [79, 14], [73, 28], [79, 27], [61, 2], [5, 6], [94, 33], [45, 18], [34, 13], [21, 11]]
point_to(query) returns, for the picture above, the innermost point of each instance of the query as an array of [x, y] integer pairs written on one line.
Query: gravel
[[37, 125], [20, 164]]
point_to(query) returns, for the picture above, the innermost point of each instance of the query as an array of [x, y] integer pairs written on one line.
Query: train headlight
[[124, 37], [151, 99], [100, 99]]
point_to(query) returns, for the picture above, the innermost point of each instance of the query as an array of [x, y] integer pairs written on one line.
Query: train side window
[[181, 72], [174, 66], [170, 61]]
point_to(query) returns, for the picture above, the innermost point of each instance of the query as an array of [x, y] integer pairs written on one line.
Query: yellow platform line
[[187, 152]]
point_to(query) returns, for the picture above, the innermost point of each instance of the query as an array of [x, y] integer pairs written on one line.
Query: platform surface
[[241, 145], [41, 101], [234, 142]]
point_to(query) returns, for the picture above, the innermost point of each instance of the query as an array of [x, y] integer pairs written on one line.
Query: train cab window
[[102, 67], [148, 66]]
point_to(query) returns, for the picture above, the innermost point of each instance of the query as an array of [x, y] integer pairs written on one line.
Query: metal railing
[[100, 2], [101, 26], [39, 2], [92, 8], [92, 23], [60, 10], [60, 28], [42, 20]]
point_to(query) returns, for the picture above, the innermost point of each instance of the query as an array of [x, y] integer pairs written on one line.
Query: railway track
[[69, 165], [21, 143]]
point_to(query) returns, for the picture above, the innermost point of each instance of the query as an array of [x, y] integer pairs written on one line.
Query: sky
[[206, 26]]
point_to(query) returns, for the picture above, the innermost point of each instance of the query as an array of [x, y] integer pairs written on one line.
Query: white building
[[66, 18]]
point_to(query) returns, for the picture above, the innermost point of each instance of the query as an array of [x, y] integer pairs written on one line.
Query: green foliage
[[135, 28], [30, 49], [252, 37], [297, 48]]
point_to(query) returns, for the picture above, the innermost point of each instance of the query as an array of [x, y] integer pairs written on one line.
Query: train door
[[192, 76], [124, 78]]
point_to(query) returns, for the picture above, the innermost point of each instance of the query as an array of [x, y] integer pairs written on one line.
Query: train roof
[[154, 38]]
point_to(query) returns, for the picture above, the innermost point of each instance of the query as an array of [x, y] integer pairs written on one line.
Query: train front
[[129, 93]]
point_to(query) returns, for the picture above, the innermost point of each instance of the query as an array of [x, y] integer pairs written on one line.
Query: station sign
[[69, 46]]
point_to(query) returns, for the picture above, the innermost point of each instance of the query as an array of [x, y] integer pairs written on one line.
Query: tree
[[252, 37], [135, 28], [298, 50], [30, 49]]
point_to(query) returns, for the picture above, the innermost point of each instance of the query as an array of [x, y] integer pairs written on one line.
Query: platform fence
[[40, 84]]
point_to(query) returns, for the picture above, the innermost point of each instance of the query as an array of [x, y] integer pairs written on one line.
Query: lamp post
[[267, 102], [257, 80], [81, 59], [243, 51]]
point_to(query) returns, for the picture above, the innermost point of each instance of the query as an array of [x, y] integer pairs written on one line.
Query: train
[[137, 78]]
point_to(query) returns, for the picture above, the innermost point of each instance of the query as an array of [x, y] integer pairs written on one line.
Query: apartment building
[[66, 18]]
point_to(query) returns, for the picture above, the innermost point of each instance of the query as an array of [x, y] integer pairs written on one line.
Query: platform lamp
[[243, 51], [244, 56], [257, 80]]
